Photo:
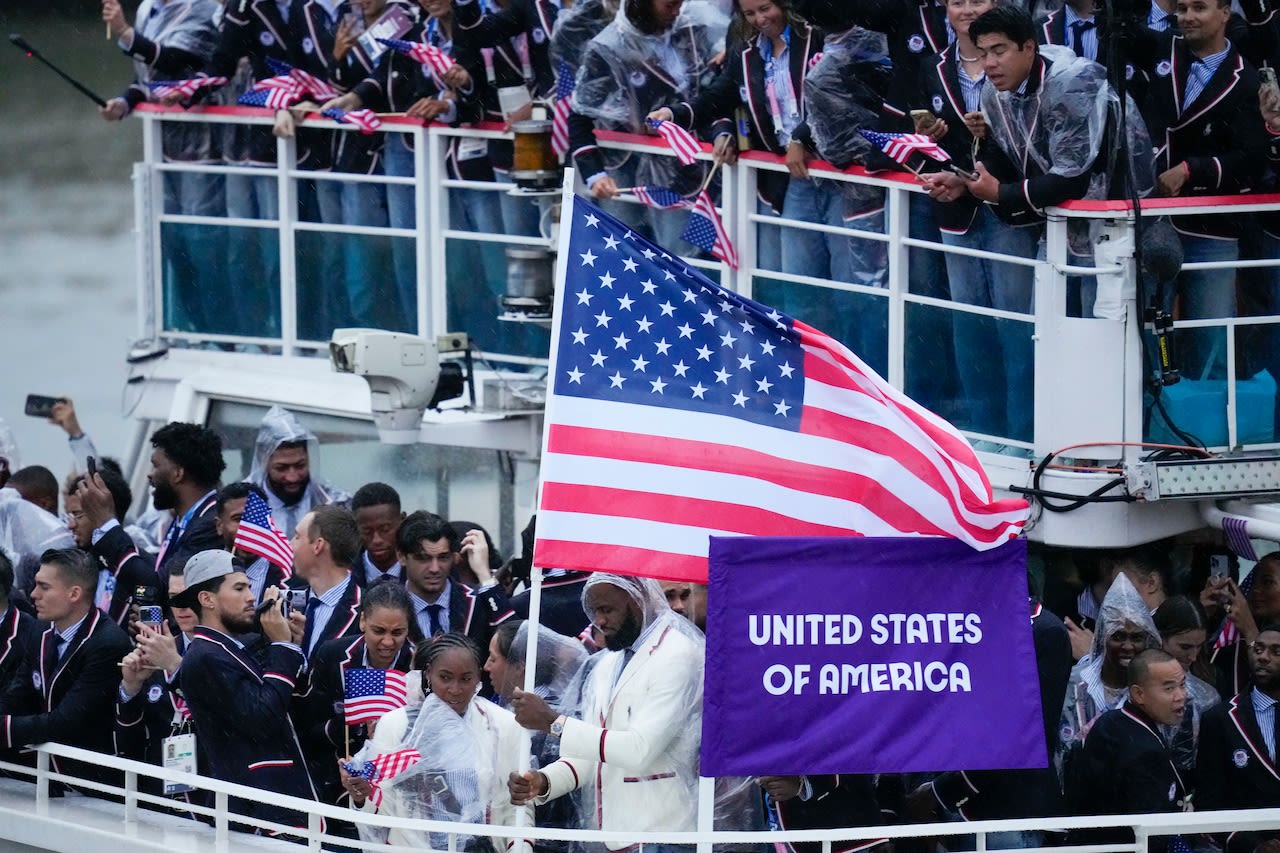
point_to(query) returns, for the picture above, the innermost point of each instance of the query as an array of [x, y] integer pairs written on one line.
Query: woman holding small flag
[[446, 756], [345, 671]]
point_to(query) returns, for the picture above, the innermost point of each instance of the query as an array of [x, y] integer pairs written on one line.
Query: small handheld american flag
[[386, 766], [900, 146], [272, 99], [705, 230], [366, 120], [659, 198], [307, 82], [684, 143], [259, 535], [565, 84], [184, 88], [369, 693], [425, 54]]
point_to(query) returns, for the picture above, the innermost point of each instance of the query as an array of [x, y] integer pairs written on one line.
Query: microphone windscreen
[[1161, 251]]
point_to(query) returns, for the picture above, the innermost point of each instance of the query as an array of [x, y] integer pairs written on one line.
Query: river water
[[67, 303]]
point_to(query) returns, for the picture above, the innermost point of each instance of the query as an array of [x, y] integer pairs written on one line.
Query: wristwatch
[[557, 727]]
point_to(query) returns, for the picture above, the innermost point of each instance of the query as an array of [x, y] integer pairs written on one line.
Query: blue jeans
[[397, 161], [322, 290], [366, 257], [815, 253], [929, 379], [998, 380], [1204, 295], [768, 238], [195, 296], [253, 254]]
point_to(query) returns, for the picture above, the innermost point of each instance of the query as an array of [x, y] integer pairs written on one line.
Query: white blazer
[[637, 742]]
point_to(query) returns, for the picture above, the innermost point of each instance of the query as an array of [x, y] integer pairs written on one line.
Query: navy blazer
[[1233, 768], [1220, 135], [201, 535], [318, 715], [240, 707], [19, 641], [117, 554], [72, 700]]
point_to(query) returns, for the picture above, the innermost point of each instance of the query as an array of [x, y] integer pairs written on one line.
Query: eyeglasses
[[76, 514], [1264, 649]]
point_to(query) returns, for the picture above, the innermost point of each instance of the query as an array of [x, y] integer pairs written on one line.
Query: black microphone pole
[[24, 45]]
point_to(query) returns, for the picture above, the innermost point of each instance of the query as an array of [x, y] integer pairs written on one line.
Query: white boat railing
[[137, 811], [1089, 373]]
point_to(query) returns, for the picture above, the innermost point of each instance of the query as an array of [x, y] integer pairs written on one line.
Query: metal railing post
[[898, 226], [221, 828], [42, 782], [433, 170], [743, 281], [151, 155], [424, 225], [286, 162], [130, 797]]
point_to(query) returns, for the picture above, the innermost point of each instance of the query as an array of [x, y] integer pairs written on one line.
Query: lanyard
[[771, 83]]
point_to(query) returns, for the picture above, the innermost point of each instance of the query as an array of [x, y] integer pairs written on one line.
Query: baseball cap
[[204, 566]]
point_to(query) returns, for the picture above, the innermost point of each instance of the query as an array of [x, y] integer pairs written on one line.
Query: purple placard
[[961, 695]]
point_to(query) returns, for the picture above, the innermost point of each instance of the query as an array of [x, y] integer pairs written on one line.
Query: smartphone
[[964, 173], [1219, 566], [922, 115], [39, 406], [92, 465], [152, 615]]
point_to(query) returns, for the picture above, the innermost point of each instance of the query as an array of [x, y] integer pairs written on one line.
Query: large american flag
[[681, 141], [424, 54], [565, 84], [184, 88], [385, 766], [900, 146], [369, 693], [259, 535], [678, 410]]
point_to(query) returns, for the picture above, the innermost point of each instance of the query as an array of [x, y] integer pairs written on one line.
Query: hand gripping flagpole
[[535, 571]]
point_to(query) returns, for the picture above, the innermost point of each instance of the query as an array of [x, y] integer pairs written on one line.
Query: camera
[[404, 373]]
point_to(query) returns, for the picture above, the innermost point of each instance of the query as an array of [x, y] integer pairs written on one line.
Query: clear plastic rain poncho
[[664, 682], [578, 25], [1087, 698], [281, 426], [9, 447], [1061, 126], [26, 532], [559, 659], [1184, 738], [190, 26], [844, 92], [461, 777], [626, 74]]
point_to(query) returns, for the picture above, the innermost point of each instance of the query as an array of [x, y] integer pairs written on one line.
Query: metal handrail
[[1144, 826]]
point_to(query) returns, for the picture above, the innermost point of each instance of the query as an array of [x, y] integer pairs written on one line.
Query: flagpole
[[535, 570]]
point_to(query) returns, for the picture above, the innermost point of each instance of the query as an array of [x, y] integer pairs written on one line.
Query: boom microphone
[[24, 45]]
